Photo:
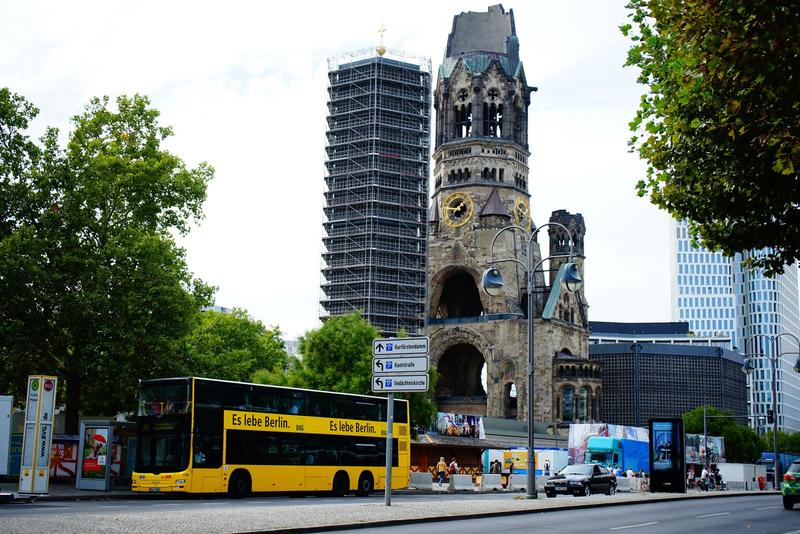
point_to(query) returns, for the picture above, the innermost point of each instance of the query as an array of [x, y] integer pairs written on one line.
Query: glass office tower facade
[[717, 294]]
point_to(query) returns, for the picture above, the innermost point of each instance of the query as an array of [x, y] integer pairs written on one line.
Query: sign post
[[37, 437], [398, 364]]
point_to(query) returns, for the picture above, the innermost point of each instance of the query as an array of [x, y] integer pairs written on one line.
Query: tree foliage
[[787, 442], [742, 444], [720, 125], [92, 284], [233, 346], [338, 357]]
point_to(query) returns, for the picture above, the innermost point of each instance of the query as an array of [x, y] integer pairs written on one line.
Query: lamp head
[[797, 365], [572, 277], [748, 366], [492, 281]]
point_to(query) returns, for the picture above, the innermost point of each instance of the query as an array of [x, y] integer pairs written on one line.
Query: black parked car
[[582, 479]]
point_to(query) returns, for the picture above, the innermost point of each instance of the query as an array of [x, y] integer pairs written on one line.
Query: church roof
[[494, 206], [433, 213], [555, 292], [479, 63]]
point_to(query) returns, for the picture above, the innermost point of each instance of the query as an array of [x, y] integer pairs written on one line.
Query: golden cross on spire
[[381, 49]]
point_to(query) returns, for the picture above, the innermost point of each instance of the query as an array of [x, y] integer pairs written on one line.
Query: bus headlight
[[180, 482]]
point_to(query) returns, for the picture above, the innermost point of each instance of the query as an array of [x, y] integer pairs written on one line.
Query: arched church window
[[463, 122], [568, 403], [583, 404]]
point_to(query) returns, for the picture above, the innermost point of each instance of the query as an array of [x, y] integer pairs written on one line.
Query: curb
[[101, 496]]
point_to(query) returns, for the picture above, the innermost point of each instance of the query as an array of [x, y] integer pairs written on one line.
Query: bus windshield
[[163, 444]]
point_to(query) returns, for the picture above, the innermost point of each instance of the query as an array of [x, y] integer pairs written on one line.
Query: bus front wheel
[[239, 485], [365, 484], [340, 484]]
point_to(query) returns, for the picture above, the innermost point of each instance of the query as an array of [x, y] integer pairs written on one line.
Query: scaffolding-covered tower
[[378, 142]]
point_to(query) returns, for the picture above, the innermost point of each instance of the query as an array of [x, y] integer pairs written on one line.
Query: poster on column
[[95, 453]]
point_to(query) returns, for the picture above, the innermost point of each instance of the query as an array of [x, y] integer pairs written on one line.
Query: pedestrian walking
[[453, 467], [441, 470]]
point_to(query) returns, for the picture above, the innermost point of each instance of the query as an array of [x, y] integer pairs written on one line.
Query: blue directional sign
[[408, 383], [400, 346], [387, 365]]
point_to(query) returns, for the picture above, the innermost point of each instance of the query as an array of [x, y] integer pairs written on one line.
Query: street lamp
[[774, 357], [492, 283]]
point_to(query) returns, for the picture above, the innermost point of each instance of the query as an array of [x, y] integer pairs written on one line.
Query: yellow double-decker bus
[[199, 435]]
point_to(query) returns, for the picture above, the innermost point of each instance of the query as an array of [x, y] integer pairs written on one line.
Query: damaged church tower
[[480, 184]]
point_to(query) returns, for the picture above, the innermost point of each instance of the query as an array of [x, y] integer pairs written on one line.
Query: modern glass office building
[[721, 295], [703, 292]]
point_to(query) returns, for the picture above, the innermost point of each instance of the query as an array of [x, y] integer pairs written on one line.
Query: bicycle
[[645, 485]]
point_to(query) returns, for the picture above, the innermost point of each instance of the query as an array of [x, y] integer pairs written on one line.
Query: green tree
[[742, 444], [787, 442], [233, 346], [338, 357], [92, 284], [720, 124]]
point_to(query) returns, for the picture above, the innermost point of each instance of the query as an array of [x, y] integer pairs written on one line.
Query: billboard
[[467, 426], [696, 451], [579, 435], [94, 457], [667, 456]]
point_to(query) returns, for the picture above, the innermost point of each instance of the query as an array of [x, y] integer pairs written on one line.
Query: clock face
[[457, 209], [522, 213]]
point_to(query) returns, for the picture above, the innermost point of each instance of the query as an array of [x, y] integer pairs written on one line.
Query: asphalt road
[[761, 515], [751, 514]]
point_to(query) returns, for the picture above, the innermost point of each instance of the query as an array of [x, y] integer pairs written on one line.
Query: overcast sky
[[244, 86]]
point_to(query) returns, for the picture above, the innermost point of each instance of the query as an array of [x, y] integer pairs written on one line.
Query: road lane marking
[[712, 515], [767, 508], [634, 526]]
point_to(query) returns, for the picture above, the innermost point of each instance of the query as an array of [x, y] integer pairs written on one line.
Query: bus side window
[[264, 400], [208, 420], [294, 402]]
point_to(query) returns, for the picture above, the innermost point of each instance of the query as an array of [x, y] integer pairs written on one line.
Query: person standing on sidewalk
[[441, 469]]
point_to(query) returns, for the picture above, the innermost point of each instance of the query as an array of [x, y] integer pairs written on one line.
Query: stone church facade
[[481, 167]]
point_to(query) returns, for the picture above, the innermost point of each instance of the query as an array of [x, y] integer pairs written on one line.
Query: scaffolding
[[376, 177]]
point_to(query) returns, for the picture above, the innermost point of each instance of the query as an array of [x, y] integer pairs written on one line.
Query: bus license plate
[[154, 490]]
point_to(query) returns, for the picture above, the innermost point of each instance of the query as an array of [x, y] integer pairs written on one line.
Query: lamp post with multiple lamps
[[492, 282], [774, 357]]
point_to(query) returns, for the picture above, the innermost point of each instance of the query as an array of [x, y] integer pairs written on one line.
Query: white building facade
[[720, 296]]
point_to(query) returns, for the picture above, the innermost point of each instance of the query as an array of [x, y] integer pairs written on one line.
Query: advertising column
[[94, 459], [34, 473], [667, 456]]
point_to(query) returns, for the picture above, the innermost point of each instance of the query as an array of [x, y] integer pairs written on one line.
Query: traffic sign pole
[[387, 494], [398, 364]]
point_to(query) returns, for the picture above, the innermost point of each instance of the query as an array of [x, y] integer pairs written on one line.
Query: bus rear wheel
[[239, 485], [340, 485], [365, 484]]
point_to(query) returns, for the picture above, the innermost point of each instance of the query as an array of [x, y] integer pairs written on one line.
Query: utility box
[[6, 408]]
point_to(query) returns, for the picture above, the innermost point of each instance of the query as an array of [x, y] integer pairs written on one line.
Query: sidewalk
[[63, 491]]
